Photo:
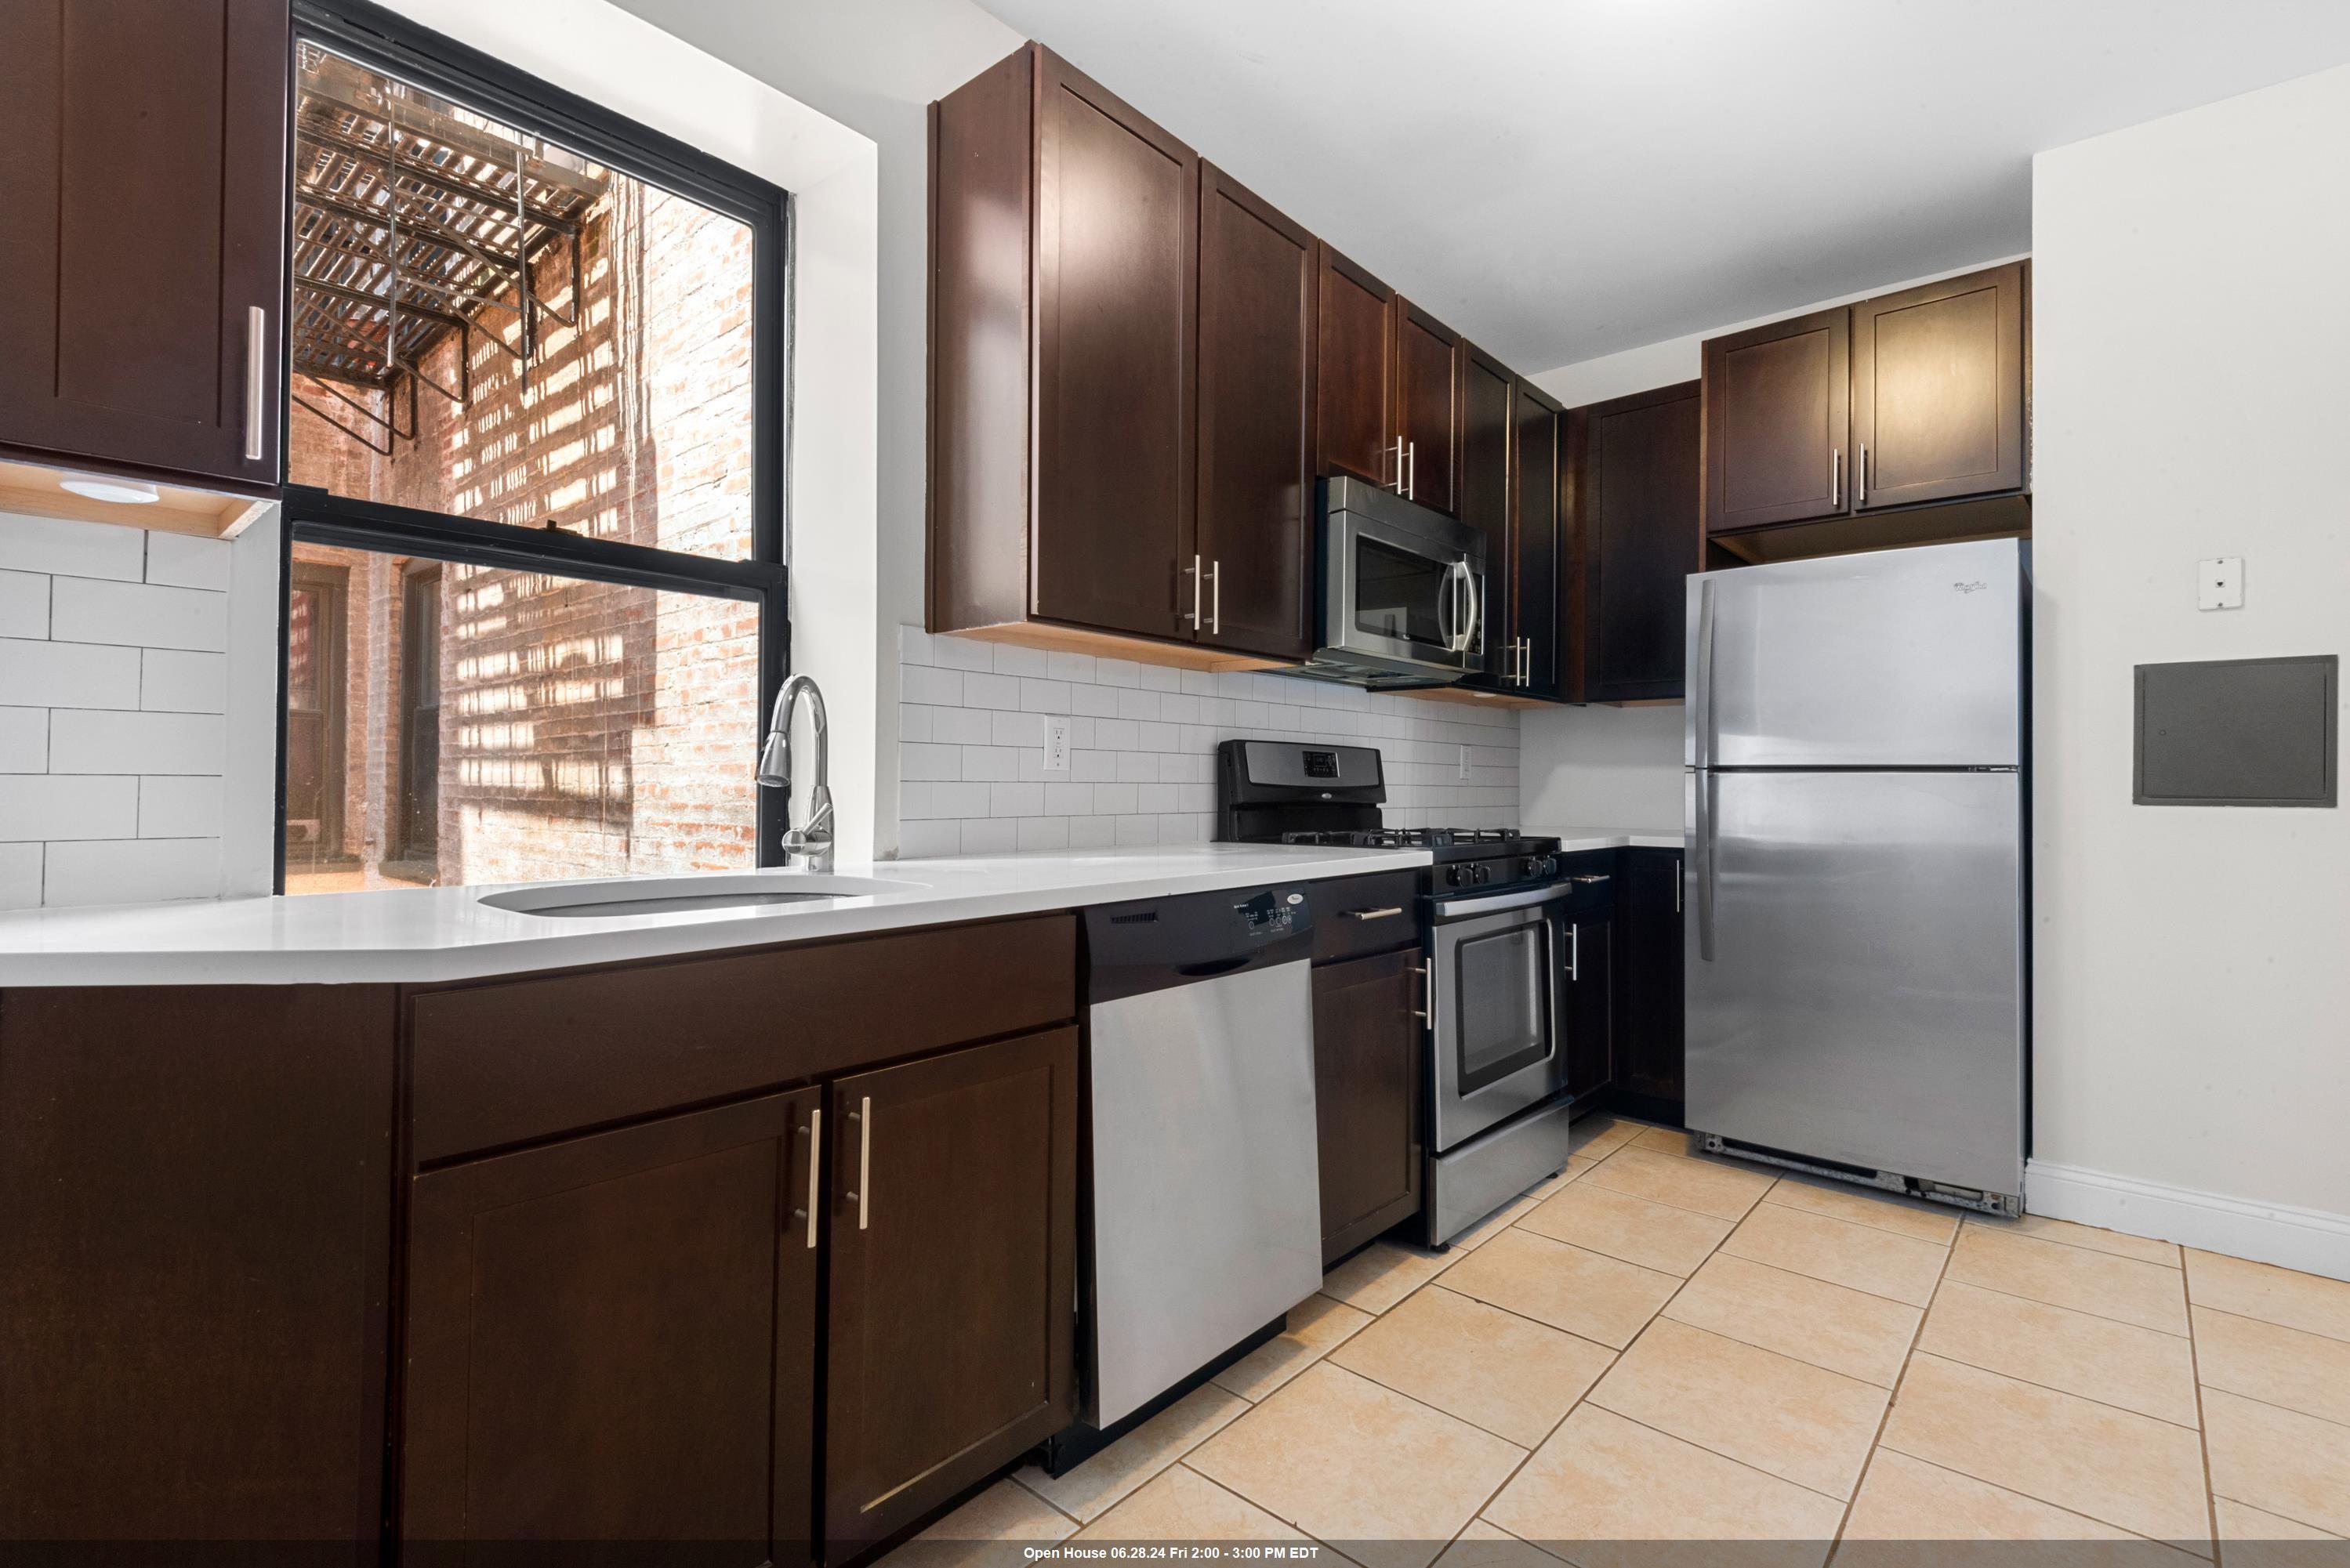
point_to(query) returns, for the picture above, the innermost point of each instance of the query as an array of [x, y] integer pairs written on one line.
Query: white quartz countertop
[[420, 935], [1575, 838]]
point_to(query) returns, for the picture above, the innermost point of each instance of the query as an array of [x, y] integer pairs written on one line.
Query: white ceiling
[[1563, 179]]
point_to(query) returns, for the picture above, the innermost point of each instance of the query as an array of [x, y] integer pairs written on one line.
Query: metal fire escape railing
[[411, 219]]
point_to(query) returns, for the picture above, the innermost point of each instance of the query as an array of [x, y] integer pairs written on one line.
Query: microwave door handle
[[1444, 596], [1476, 604]]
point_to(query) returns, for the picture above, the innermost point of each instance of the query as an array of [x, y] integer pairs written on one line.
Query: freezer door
[[1864, 998], [1894, 658]]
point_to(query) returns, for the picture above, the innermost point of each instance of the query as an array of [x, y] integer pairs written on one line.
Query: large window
[[535, 581]]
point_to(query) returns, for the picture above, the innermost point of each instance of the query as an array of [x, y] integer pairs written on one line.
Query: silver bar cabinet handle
[[1193, 572], [863, 1117], [816, 1168], [256, 412], [1411, 485], [1426, 1012], [1215, 597], [1574, 952], [1860, 477], [1835, 476], [1391, 911]]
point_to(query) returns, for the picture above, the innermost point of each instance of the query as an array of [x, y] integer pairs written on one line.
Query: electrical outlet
[[1464, 765], [2219, 583], [1056, 743]]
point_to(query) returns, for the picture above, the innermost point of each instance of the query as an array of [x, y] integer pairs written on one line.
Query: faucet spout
[[813, 843]]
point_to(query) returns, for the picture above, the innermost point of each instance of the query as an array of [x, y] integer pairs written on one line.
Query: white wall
[[1602, 767], [2193, 965]]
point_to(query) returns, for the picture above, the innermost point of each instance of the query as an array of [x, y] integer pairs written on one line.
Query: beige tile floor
[[1655, 1354]]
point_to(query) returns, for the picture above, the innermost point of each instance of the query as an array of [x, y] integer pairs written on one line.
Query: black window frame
[[385, 41]]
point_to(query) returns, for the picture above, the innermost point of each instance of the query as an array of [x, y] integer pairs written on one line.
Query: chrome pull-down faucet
[[810, 847]]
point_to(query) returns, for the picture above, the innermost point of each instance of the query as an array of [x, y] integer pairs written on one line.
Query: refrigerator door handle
[[1701, 790], [1704, 758]]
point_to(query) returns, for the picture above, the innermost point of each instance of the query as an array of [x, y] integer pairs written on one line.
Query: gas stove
[[1286, 792]]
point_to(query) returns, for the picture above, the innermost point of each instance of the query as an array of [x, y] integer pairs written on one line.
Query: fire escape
[[412, 218]]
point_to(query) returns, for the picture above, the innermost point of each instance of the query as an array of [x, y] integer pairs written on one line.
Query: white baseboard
[[2309, 1240]]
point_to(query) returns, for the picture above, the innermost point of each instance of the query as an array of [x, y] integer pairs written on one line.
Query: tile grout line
[[1185, 1464], [2052, 1388], [2062, 1306], [2193, 1306], [1885, 1417], [2202, 1420]]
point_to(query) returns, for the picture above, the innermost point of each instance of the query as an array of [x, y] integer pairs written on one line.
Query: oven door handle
[[1443, 911]]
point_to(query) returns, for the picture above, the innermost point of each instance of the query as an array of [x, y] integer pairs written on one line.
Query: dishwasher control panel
[[1152, 943], [1275, 912]]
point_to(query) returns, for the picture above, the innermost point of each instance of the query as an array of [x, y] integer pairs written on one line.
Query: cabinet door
[[1591, 1064], [1428, 357], [1649, 974], [1938, 390], [950, 1342], [1366, 1054], [1116, 277], [1547, 663], [195, 1225], [142, 168], [1777, 406], [1257, 422], [1636, 477], [1355, 381], [1484, 497], [613, 1338]]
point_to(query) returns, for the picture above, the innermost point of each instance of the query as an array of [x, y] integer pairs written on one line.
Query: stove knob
[[1484, 873], [1452, 876]]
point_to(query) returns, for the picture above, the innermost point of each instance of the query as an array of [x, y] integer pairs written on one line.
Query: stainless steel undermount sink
[[686, 895]]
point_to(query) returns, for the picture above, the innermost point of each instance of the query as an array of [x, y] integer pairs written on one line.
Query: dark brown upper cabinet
[[1486, 503], [1546, 660], [1354, 386], [1634, 476], [1778, 423], [1117, 279], [119, 123], [1256, 390], [1428, 359], [950, 1342], [1938, 390], [613, 1338]]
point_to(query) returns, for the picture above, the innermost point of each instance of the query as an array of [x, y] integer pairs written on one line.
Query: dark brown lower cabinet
[[1591, 1064], [1367, 1051], [195, 1230], [1649, 974], [613, 1338], [953, 1215]]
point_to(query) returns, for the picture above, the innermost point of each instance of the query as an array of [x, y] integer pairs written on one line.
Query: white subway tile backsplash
[[112, 691], [56, 544], [180, 807], [82, 610], [175, 681], [24, 739], [130, 871], [20, 869], [183, 560], [1143, 741], [24, 604], [68, 675], [38, 807], [94, 742]]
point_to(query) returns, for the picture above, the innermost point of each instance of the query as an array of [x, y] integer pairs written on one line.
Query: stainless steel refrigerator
[[1856, 919]]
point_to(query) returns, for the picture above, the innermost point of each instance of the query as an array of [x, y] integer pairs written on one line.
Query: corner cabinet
[[1633, 467], [122, 123], [1067, 316]]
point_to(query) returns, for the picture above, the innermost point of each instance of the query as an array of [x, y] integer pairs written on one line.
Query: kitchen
[[350, 1135]]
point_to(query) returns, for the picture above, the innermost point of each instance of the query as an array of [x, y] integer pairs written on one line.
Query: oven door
[[1403, 600], [1496, 1007]]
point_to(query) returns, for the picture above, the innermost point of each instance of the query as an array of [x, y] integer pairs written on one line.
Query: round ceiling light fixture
[[106, 487]]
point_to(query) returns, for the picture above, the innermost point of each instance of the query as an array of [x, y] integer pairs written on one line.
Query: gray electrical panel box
[[2238, 731]]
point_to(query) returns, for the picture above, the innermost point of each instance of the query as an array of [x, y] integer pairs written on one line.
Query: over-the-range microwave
[[1402, 600]]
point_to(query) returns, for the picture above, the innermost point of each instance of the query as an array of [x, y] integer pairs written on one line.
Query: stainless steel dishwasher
[[1206, 1221]]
